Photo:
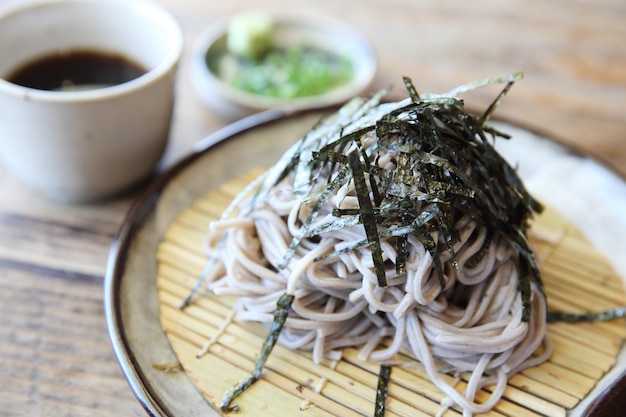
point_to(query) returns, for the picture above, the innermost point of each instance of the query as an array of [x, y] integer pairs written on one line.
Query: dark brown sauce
[[76, 70]]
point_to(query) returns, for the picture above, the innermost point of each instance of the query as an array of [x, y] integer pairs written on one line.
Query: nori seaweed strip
[[475, 259], [401, 253], [387, 214], [431, 246], [421, 221], [295, 158], [350, 138], [410, 88], [324, 131], [333, 152], [339, 180], [367, 215], [381, 390], [336, 224], [436, 141], [445, 225], [396, 213], [283, 305], [403, 182], [376, 194], [516, 76], [481, 196], [524, 286], [492, 107], [337, 212], [439, 188], [401, 174], [614, 313]]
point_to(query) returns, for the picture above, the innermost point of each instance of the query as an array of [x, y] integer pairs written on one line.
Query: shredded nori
[[366, 212], [614, 313], [283, 305], [445, 165], [381, 390]]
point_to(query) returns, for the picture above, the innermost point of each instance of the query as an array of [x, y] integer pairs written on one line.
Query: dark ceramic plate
[[553, 173]]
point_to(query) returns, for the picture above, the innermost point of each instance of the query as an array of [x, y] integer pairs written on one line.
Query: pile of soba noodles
[[395, 227]]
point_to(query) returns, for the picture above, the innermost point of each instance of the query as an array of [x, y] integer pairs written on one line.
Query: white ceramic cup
[[87, 145]]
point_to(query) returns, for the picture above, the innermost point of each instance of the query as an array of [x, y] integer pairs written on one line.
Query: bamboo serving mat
[[577, 279]]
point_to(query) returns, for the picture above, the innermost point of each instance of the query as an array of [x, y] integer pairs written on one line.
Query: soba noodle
[[472, 325]]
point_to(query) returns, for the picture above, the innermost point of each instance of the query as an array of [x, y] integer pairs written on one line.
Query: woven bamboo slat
[[576, 276]]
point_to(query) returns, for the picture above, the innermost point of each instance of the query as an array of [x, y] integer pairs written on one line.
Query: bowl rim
[[144, 8], [364, 70]]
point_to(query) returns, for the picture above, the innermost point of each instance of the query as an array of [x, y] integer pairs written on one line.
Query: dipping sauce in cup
[[86, 94], [73, 70]]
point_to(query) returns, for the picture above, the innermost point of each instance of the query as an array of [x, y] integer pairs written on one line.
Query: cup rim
[[151, 76]]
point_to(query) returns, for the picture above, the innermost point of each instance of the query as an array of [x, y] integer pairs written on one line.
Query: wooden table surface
[[55, 355]]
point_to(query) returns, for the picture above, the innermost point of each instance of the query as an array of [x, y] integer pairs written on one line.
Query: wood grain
[[577, 278], [55, 358], [53, 255], [571, 52]]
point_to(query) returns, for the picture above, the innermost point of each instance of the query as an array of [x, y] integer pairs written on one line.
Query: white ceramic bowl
[[87, 145], [290, 29]]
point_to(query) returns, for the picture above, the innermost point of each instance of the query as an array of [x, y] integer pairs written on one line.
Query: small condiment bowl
[[316, 31]]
